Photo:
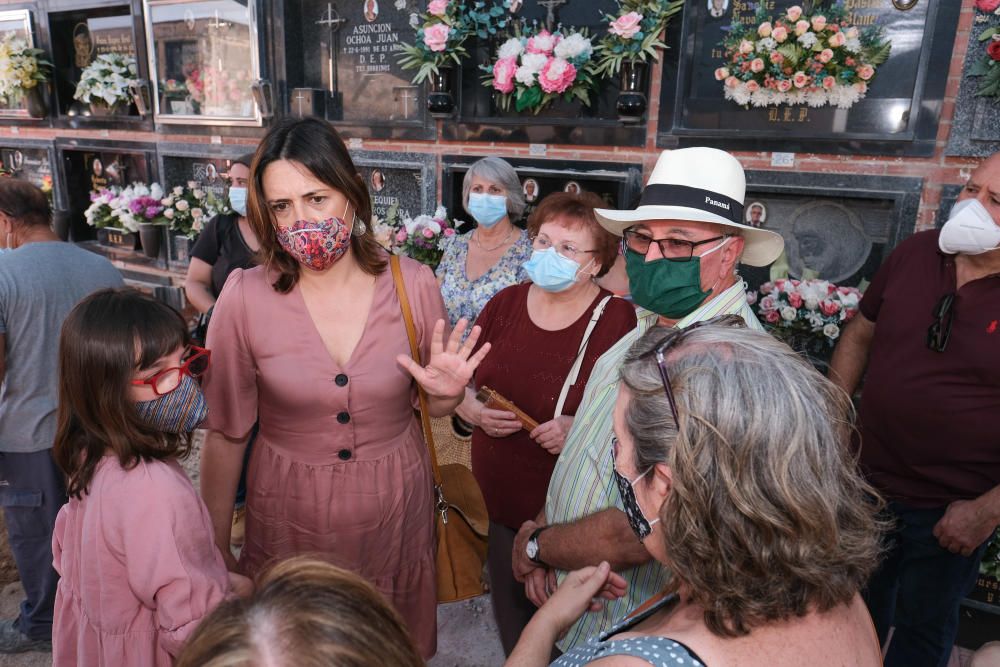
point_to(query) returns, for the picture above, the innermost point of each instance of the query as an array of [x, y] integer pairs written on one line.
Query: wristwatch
[[531, 549]]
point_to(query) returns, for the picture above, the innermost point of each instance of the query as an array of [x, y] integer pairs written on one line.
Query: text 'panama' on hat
[[699, 185]]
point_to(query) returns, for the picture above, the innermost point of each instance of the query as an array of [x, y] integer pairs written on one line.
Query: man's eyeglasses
[[566, 249], [940, 330], [169, 379], [675, 250]]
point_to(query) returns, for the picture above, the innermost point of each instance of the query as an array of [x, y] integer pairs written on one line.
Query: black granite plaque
[[404, 182], [949, 195], [898, 116], [80, 35], [617, 184], [481, 119], [837, 227], [88, 166], [975, 127], [346, 50]]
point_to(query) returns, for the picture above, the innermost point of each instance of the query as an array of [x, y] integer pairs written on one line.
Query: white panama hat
[[700, 185]]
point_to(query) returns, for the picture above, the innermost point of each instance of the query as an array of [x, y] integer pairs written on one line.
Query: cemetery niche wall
[[897, 115]]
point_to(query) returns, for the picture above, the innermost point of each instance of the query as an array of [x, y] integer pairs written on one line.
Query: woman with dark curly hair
[[733, 468]]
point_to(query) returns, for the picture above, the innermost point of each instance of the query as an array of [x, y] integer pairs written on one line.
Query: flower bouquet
[[806, 314], [126, 208], [442, 31], [188, 208], [421, 238], [798, 59], [534, 67], [634, 34], [104, 83], [21, 68], [988, 66]]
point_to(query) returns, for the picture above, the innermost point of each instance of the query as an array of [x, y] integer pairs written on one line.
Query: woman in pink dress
[[133, 547], [312, 343]]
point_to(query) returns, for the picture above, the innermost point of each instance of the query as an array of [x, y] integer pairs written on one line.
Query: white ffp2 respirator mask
[[970, 230]]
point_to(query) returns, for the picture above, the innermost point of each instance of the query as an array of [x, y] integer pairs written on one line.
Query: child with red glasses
[[134, 545]]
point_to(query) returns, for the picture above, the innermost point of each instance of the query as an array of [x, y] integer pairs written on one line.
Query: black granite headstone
[[975, 127], [405, 182], [618, 185], [80, 35], [346, 51], [837, 227], [899, 114], [86, 167]]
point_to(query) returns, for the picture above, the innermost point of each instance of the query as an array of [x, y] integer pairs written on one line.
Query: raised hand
[[451, 367]]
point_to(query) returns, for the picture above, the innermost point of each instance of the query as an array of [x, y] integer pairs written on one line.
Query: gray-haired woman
[[733, 468], [478, 264]]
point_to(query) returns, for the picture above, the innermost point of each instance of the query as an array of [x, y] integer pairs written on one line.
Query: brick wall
[[936, 170]]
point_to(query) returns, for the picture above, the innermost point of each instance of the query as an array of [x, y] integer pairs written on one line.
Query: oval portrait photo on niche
[[572, 187], [377, 180], [371, 10], [717, 8], [756, 214], [211, 173], [530, 188]]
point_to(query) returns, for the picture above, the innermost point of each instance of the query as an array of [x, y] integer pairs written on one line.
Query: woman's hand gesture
[[450, 368]]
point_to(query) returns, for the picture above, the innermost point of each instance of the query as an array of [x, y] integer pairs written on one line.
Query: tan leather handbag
[[462, 521]]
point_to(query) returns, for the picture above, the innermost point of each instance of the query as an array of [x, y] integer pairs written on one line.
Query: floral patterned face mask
[[316, 244]]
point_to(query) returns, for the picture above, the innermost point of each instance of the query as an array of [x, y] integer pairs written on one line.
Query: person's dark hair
[[578, 208], [24, 203], [314, 144], [104, 340], [306, 613], [246, 160]]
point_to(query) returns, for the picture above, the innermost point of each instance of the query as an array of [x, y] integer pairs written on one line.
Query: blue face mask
[[488, 210], [238, 200], [551, 271]]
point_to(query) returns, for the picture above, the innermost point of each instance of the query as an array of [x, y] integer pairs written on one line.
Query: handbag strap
[[574, 372], [411, 335]]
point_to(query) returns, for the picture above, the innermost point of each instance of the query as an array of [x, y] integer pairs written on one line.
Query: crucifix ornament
[[552, 12], [333, 22]]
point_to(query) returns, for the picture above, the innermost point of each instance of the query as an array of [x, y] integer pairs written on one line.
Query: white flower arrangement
[[814, 308], [106, 80], [21, 68]]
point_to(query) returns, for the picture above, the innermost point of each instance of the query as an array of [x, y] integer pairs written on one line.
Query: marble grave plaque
[[404, 181], [899, 114]]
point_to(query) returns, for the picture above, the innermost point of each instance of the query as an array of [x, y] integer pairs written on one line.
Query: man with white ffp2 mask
[[929, 332]]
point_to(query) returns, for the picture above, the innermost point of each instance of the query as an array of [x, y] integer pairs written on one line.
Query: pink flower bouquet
[[534, 67], [805, 309], [634, 33]]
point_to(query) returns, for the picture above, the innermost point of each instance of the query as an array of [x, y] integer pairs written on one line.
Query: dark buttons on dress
[[341, 380], [344, 454], [343, 417]]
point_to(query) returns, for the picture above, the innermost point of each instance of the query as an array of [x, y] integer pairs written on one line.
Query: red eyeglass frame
[[183, 369]]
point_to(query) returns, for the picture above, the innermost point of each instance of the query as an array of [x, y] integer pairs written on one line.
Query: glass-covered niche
[[79, 38], [15, 35], [204, 61]]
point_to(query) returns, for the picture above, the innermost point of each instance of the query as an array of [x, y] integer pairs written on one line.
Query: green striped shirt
[[582, 482]]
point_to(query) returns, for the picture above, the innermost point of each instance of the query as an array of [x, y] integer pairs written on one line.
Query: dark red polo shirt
[[929, 420]]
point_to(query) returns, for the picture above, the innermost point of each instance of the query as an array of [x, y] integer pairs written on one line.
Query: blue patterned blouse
[[464, 297]]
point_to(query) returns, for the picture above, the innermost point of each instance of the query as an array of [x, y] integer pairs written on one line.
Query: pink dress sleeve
[[170, 557], [230, 385]]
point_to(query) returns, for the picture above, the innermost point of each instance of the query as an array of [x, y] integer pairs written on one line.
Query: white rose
[[168, 213], [196, 225], [178, 190], [196, 213], [831, 331], [182, 205], [512, 48], [525, 76], [788, 313], [198, 194], [812, 304]]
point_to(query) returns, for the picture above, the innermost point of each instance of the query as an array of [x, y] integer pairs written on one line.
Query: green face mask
[[670, 289]]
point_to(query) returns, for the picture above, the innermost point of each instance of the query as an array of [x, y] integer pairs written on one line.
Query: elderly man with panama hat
[[681, 247]]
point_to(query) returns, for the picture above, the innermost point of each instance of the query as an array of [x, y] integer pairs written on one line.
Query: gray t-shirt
[[39, 284]]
